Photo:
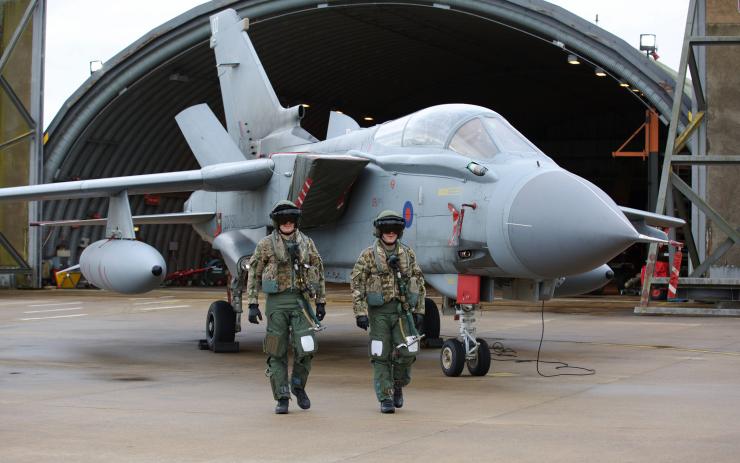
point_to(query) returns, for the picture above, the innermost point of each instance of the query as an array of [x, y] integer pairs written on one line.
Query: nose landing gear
[[466, 349]]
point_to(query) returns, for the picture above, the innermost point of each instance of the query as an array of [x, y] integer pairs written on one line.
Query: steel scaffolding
[[698, 284]]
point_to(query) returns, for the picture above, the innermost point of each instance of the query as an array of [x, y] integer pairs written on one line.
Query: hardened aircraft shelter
[[374, 61]]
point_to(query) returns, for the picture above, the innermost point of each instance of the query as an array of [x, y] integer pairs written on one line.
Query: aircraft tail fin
[[252, 109]]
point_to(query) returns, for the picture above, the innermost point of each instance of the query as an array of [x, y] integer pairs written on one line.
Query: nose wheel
[[452, 357], [481, 363], [466, 349]]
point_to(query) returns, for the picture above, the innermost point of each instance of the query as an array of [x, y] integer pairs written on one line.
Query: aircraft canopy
[[429, 127], [485, 137], [469, 130]]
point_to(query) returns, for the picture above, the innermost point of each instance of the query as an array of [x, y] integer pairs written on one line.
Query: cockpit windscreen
[[469, 130]]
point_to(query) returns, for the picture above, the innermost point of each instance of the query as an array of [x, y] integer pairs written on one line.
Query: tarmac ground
[[87, 375]]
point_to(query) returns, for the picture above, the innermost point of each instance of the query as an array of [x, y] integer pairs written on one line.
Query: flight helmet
[[285, 211], [389, 221]]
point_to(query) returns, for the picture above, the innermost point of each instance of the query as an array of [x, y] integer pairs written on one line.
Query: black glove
[[363, 322], [320, 310], [254, 313], [419, 319]]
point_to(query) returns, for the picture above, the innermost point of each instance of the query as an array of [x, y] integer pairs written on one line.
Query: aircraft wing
[[321, 186], [169, 219], [229, 176]]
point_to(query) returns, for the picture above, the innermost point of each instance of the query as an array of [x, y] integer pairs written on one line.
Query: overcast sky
[[80, 31]]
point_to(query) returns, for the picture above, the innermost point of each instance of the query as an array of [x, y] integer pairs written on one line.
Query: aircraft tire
[[482, 362], [431, 319], [220, 324], [452, 357]]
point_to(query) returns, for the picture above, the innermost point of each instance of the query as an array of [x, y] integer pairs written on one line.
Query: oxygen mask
[[394, 262]]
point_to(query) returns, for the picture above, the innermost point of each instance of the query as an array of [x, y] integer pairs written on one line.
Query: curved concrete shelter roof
[[382, 59]]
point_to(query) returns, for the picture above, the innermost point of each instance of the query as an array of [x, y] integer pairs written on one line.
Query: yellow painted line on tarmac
[[503, 374]]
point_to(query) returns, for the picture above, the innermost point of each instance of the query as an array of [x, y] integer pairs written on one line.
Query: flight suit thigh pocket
[[379, 348], [274, 345], [305, 343], [276, 338]]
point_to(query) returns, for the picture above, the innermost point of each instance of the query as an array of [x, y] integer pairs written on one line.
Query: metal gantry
[[33, 16], [698, 279]]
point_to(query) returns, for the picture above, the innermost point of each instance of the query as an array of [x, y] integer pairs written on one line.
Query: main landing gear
[[220, 328], [223, 319], [430, 328], [466, 349]]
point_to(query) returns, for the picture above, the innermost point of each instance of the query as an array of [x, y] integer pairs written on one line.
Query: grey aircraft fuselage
[[531, 219]]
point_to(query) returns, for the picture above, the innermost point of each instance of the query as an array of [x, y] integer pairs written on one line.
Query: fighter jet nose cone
[[560, 224]]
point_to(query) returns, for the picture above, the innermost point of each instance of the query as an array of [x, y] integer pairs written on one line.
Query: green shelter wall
[[14, 158], [723, 127]]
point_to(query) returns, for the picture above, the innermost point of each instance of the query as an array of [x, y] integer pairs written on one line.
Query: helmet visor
[[390, 228], [286, 215]]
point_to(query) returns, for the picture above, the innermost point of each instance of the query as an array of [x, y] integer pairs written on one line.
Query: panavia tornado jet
[[487, 212]]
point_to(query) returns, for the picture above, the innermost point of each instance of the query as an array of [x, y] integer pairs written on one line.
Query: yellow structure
[[68, 280]]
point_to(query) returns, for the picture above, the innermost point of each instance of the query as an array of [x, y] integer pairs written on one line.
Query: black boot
[[282, 406], [386, 406], [303, 401], [397, 396]]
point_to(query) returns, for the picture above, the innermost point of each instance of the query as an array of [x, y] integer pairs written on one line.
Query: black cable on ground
[[499, 350]]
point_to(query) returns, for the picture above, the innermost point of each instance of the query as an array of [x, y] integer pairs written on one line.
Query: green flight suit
[[375, 293], [271, 270]]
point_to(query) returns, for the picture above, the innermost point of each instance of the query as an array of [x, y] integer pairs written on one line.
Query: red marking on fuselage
[[304, 192], [456, 224], [219, 229]]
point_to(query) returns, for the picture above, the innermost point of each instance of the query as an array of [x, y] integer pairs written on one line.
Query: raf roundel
[[408, 213]]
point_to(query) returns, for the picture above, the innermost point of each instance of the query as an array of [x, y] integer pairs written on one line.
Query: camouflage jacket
[[271, 269], [373, 282]]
